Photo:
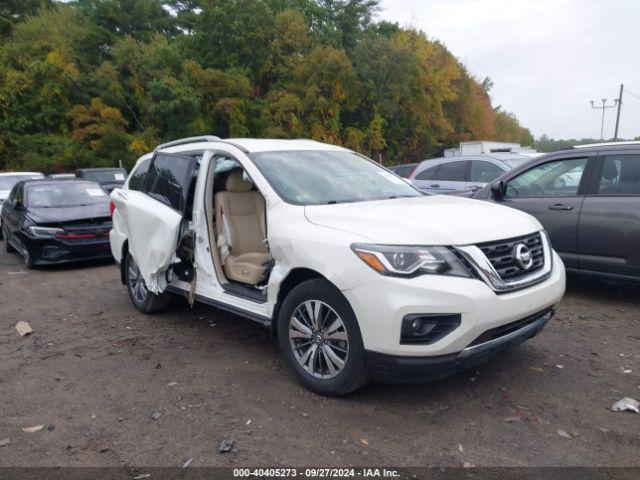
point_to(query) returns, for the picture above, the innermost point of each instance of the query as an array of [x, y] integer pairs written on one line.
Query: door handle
[[560, 206], [436, 185]]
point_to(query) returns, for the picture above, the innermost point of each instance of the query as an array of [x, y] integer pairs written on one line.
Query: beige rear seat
[[244, 211]]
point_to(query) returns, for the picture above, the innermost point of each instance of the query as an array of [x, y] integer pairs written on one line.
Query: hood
[[432, 220], [68, 214]]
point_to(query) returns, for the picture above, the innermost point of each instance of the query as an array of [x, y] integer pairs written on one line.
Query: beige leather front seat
[[244, 212]]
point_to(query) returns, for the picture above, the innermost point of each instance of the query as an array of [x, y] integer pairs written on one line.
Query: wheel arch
[[294, 278]]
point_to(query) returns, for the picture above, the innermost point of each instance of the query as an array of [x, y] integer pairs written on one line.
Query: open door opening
[[237, 229]]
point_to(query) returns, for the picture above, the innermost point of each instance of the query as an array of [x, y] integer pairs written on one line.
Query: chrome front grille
[[500, 264], [502, 255]]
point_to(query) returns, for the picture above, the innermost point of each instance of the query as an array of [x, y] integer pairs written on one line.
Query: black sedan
[[57, 221]]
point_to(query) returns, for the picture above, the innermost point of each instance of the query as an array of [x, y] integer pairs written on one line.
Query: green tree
[[102, 130], [13, 12], [233, 33], [98, 81], [508, 129], [327, 84], [140, 19]]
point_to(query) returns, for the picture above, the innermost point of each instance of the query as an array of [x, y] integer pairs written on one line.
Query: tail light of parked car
[[112, 208]]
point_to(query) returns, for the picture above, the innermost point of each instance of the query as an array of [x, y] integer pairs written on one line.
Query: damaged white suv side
[[357, 274]]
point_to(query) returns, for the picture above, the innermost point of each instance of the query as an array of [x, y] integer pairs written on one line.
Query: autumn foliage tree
[[98, 82]]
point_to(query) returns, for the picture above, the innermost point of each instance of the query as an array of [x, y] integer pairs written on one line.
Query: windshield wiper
[[392, 197]]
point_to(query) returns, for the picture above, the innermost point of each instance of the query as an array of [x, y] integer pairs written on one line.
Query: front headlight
[[44, 232], [410, 261]]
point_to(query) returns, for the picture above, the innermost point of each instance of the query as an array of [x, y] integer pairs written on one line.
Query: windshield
[[325, 177], [8, 181], [64, 194], [105, 176]]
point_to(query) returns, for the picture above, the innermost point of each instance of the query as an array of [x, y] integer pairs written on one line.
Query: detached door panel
[[609, 232], [154, 218], [549, 192]]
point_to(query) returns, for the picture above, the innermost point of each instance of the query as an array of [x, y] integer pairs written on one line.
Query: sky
[[547, 58]]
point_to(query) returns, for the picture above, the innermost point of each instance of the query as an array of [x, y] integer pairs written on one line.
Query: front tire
[[28, 259], [7, 246], [320, 339], [144, 300]]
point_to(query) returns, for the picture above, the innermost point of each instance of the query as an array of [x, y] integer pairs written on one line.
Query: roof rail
[[608, 144], [184, 141]]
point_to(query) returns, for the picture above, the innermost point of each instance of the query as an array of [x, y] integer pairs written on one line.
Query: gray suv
[[465, 174], [588, 200]]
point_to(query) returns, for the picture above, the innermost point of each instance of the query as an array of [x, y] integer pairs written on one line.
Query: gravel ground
[[114, 387]]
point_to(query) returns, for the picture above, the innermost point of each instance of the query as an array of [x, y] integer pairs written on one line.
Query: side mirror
[[498, 190]]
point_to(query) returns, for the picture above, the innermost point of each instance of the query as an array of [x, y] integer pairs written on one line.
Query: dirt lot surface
[[96, 372]]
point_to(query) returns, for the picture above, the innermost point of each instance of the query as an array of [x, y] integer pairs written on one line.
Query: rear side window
[[170, 178], [484, 172], [453, 172], [139, 176], [428, 174], [620, 175]]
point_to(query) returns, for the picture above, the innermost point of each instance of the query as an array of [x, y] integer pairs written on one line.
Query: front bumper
[[49, 251], [404, 369], [381, 303]]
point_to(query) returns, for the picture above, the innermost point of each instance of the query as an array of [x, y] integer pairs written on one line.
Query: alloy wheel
[[136, 282], [319, 339]]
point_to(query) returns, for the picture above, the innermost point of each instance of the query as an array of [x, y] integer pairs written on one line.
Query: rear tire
[[320, 339], [144, 300]]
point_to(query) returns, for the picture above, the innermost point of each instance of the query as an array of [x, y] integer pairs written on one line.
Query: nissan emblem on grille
[[523, 256]]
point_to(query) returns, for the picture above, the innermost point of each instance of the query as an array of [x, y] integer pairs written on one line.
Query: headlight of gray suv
[[410, 261]]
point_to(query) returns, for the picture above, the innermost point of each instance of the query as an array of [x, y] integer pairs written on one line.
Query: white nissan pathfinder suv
[[357, 274]]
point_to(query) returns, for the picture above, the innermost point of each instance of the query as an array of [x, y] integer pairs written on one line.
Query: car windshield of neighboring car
[[117, 175], [8, 181], [327, 177], [64, 194]]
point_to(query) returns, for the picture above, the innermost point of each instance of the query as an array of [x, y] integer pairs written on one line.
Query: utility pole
[[615, 135], [603, 108]]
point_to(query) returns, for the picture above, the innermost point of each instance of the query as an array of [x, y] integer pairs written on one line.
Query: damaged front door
[[156, 216]]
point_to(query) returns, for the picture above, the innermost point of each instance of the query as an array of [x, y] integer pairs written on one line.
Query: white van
[[356, 273]]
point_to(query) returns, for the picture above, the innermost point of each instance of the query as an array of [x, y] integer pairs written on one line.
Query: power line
[[632, 94]]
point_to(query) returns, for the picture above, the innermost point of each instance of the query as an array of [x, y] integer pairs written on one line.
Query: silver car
[[465, 174]]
